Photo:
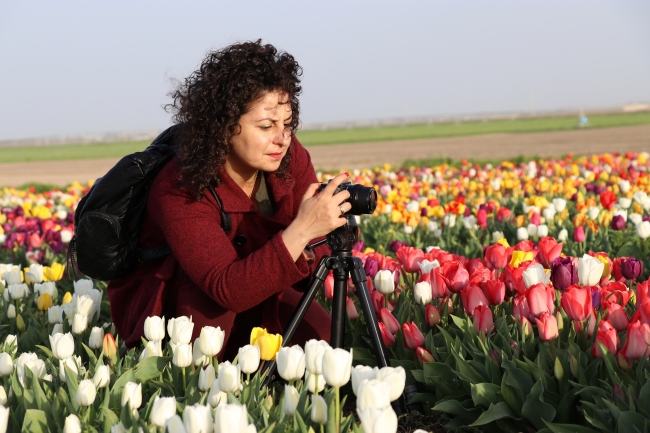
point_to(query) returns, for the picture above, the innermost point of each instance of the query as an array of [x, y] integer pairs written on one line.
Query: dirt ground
[[359, 155]]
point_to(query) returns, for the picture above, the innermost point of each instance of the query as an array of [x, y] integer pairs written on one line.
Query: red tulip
[[378, 301], [432, 315], [423, 355], [536, 219], [503, 213], [643, 313], [351, 309], [389, 321], [495, 291], [642, 293], [608, 199], [617, 316], [483, 320], [413, 337], [479, 276], [576, 302], [472, 297], [547, 327], [474, 265], [328, 285], [481, 218], [514, 280], [637, 341], [617, 269], [386, 336], [35, 241], [520, 307], [456, 276], [549, 250], [607, 336], [438, 284], [496, 257], [540, 299], [579, 234], [615, 293], [525, 246], [409, 258]]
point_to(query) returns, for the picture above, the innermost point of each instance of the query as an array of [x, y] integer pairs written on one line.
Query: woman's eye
[[265, 127]]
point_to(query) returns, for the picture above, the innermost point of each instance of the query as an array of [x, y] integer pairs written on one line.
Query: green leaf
[[91, 355], [418, 375], [629, 249], [118, 386], [35, 421], [467, 372], [486, 394], [535, 409], [631, 422], [511, 395], [423, 397], [568, 428], [150, 368], [494, 412], [453, 407], [110, 419], [45, 350], [643, 403]]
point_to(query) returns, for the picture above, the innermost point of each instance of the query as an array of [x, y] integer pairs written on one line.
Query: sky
[[79, 67]]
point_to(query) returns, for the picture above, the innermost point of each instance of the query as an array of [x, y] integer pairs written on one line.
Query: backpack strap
[[226, 225]]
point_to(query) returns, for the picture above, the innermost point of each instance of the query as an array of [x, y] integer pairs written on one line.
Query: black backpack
[[108, 219]]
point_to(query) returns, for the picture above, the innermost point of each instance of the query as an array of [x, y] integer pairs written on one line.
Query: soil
[[360, 155]]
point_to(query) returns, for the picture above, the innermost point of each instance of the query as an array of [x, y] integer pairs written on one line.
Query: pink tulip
[[328, 285], [617, 316], [549, 250], [637, 341], [432, 315], [538, 300], [456, 276], [607, 336], [387, 318], [473, 297], [579, 234], [413, 337], [423, 355], [409, 258], [495, 291], [351, 309], [483, 320], [547, 327], [576, 302], [386, 336], [520, 307]]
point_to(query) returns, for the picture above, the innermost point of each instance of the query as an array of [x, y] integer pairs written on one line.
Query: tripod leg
[[338, 307]]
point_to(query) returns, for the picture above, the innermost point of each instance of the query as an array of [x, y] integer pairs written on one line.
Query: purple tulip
[[371, 267], [563, 273], [631, 268], [57, 246], [396, 245], [20, 211], [618, 223], [359, 246], [574, 197], [595, 297]]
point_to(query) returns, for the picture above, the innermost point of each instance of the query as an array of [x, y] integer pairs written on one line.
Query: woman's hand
[[318, 215]]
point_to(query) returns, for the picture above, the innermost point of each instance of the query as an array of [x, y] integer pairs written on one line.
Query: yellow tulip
[[67, 298], [503, 242], [53, 272], [518, 257], [269, 344], [44, 302], [368, 250], [20, 322]]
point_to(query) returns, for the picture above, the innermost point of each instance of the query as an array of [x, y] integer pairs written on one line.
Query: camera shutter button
[[240, 240]]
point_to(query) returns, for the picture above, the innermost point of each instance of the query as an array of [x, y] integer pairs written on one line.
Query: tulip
[[12, 277], [483, 320], [206, 377], [385, 282], [472, 297], [576, 302], [84, 305], [373, 394], [371, 267], [6, 364], [269, 344], [590, 270], [617, 317], [438, 284], [563, 273], [643, 229], [62, 345], [534, 274], [232, 418], [607, 336], [422, 293], [79, 323], [18, 291], [579, 234], [173, 425], [86, 393], [563, 235], [409, 258], [378, 420], [70, 363], [395, 378], [198, 358], [314, 350], [102, 376], [432, 316], [361, 373], [154, 329], [631, 268], [389, 321], [229, 377], [153, 348], [197, 418], [618, 222], [249, 358], [337, 364], [96, 337], [216, 397], [547, 327], [522, 233], [427, 266], [456, 276], [637, 341], [3, 396], [44, 302], [495, 291], [496, 256], [519, 257], [132, 395], [163, 409], [386, 336], [67, 298], [314, 380], [318, 409], [11, 312], [72, 424], [182, 355], [55, 314], [525, 327], [291, 363], [291, 398], [182, 332], [413, 337], [350, 309], [211, 340]]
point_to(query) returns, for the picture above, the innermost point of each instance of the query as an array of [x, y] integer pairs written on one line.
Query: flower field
[[510, 298]]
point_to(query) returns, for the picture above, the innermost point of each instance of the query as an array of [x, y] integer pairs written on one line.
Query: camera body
[[362, 198]]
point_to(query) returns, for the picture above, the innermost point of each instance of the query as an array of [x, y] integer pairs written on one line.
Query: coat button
[[240, 240]]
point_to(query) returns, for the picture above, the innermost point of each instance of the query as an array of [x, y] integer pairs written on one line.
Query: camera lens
[[363, 199]]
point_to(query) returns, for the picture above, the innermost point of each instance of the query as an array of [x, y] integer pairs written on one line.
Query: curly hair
[[211, 100]]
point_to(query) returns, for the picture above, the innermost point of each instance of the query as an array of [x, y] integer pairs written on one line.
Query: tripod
[[344, 265]]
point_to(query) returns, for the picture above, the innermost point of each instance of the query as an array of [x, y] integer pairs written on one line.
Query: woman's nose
[[282, 136]]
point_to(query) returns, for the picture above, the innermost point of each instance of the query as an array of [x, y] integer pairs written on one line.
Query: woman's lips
[[275, 155]]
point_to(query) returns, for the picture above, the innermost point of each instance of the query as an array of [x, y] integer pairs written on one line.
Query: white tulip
[[55, 314], [57, 329], [154, 329], [422, 293], [314, 380], [3, 396], [30, 360], [291, 398], [62, 345], [624, 185], [79, 323], [470, 222], [621, 213], [522, 233], [593, 212], [229, 377], [559, 204], [249, 358], [590, 270], [449, 220], [102, 376], [388, 209], [360, 373], [197, 419], [534, 274], [6, 364], [216, 397], [35, 273], [48, 377], [635, 218], [337, 364], [18, 291], [84, 305], [373, 393], [182, 355], [96, 338], [86, 393], [291, 363], [132, 395], [624, 202], [11, 344], [640, 197], [407, 229], [496, 184], [82, 286], [72, 424], [163, 409], [206, 377], [232, 418], [11, 311], [211, 340], [395, 378], [496, 236], [171, 324], [153, 348], [182, 332], [643, 229], [174, 425], [12, 277], [69, 363], [48, 287], [532, 230], [432, 226], [426, 266], [318, 409], [413, 206], [198, 358], [378, 420], [542, 230], [314, 350], [549, 213], [66, 235], [385, 282], [563, 235]]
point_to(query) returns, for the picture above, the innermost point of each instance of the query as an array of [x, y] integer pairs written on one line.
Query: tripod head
[[345, 237]]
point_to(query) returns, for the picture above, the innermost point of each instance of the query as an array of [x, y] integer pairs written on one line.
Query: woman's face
[[264, 136]]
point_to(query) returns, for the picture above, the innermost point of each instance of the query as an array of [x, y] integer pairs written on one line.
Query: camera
[[362, 198]]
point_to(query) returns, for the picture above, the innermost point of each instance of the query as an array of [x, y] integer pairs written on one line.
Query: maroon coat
[[208, 276]]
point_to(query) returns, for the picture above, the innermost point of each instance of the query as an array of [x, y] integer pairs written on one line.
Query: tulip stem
[[338, 409], [184, 380]]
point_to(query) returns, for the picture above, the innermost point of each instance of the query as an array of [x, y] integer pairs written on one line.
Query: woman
[[238, 113]]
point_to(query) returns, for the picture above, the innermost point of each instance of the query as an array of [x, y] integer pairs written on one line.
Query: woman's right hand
[[318, 215]]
